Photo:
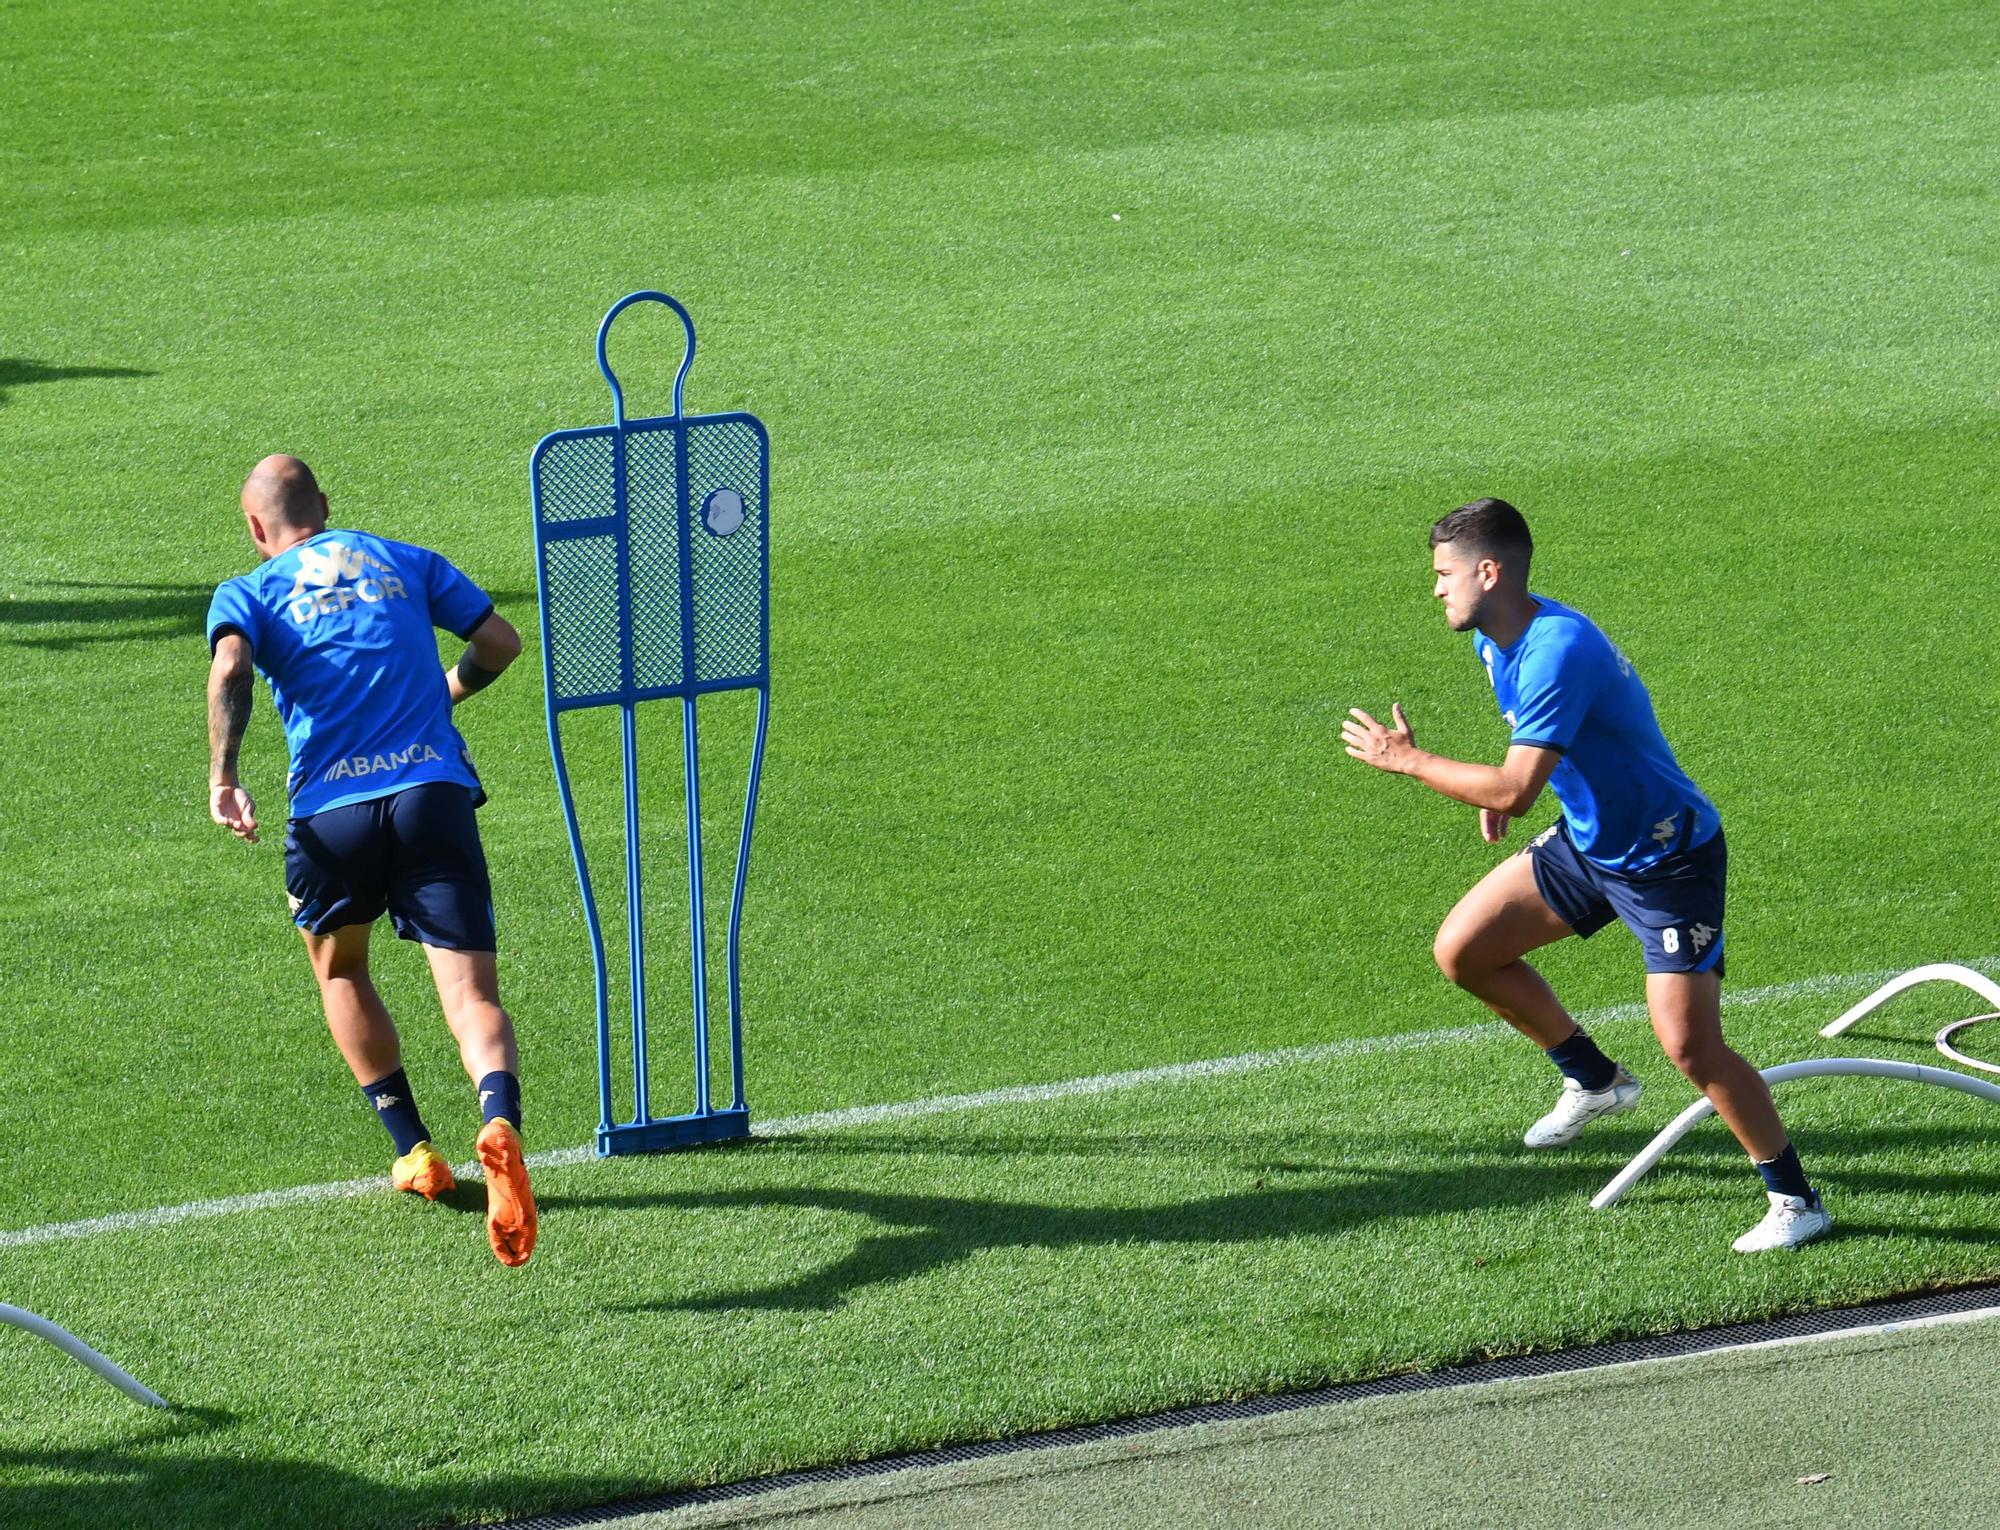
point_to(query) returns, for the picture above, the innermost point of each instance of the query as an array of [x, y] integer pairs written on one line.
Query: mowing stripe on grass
[[874, 1115]]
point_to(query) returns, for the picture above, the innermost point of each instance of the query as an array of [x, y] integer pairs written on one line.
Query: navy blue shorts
[[1674, 906], [415, 854]]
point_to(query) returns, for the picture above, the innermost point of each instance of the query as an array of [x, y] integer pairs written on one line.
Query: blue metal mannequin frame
[[645, 1132]]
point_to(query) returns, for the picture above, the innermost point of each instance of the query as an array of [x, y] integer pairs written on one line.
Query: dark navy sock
[[396, 1106], [1580, 1059], [500, 1098], [1783, 1176]]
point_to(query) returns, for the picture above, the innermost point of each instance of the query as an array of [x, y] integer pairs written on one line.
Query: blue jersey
[[341, 627], [1563, 685]]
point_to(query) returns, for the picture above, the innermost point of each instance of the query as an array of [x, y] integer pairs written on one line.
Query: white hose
[[1874, 1067], [74, 1347], [1936, 972], [1944, 1042]]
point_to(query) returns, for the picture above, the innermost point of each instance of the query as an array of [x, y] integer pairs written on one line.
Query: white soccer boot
[[1791, 1222], [1578, 1107]]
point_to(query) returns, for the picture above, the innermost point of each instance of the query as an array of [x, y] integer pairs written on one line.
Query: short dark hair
[[1491, 527]]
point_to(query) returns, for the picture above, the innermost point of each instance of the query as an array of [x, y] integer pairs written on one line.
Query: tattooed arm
[[228, 715]]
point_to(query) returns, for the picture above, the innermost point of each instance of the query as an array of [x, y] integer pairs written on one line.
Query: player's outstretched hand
[[1374, 744], [232, 807], [1493, 826]]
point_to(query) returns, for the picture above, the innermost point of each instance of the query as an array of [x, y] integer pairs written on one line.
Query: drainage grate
[[1584, 1357]]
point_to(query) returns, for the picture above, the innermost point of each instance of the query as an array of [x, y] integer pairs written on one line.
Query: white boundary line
[[1751, 1346], [1865, 1330], [875, 1115]]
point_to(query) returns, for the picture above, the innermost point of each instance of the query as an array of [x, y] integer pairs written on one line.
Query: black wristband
[[472, 675]]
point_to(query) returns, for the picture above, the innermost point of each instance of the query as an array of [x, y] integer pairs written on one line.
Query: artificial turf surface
[[1086, 534], [1832, 1434]]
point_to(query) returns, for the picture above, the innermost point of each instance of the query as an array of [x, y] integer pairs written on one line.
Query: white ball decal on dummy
[[722, 512]]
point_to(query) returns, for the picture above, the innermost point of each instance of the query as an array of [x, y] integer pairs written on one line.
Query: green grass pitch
[[1087, 531]]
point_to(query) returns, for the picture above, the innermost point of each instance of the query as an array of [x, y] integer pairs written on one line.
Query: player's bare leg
[[366, 1036], [1687, 1017], [1480, 946], [1482, 940], [355, 1013], [468, 986]]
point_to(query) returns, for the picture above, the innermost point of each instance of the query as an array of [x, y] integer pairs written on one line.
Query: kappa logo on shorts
[[1544, 837], [1699, 934], [333, 576]]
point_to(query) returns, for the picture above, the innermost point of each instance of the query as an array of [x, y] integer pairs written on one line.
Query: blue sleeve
[[1557, 683], [457, 604], [232, 609]]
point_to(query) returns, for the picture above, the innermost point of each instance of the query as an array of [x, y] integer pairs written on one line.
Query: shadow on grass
[[153, 1478], [921, 1233], [1846, 1228], [84, 612], [89, 612], [468, 1197], [924, 1233], [21, 371]]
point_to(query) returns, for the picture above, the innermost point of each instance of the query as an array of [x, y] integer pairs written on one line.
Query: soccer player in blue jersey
[[1637, 841], [382, 796]]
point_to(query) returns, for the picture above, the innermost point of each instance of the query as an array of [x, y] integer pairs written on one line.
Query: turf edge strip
[[1891, 1315]]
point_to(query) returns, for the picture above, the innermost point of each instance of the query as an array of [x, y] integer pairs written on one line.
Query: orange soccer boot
[[422, 1171], [510, 1204]]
